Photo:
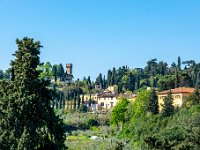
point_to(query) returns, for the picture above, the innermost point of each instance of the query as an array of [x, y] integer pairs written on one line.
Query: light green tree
[[119, 111]]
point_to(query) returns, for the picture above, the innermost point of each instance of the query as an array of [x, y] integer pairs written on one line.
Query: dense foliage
[[27, 120]]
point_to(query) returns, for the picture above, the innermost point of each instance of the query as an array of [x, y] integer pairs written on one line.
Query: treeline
[[155, 74]]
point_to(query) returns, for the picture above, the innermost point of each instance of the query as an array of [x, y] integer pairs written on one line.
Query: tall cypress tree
[[30, 121], [60, 72], [104, 82], [109, 78], [177, 81], [168, 107], [54, 70], [153, 102], [179, 63]]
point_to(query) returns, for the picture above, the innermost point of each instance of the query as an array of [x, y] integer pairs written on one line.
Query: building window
[[102, 104]]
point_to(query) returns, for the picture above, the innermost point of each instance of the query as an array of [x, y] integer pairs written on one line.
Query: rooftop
[[178, 90]]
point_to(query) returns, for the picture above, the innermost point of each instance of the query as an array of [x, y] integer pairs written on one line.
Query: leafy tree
[[119, 111], [182, 131], [168, 107], [152, 105], [28, 121], [194, 98], [151, 66], [45, 70]]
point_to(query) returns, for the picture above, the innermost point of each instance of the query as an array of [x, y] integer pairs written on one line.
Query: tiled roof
[[178, 90], [107, 94]]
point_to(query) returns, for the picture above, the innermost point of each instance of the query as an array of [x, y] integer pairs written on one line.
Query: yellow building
[[179, 96], [107, 100], [87, 97]]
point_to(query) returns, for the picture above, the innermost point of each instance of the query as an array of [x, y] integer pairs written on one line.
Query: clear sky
[[97, 35]]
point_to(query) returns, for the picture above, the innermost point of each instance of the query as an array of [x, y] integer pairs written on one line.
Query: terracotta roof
[[178, 90]]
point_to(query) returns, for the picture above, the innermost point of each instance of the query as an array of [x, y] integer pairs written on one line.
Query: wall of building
[[177, 100], [107, 102]]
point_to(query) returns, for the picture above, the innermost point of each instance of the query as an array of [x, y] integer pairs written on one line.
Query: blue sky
[[97, 35]]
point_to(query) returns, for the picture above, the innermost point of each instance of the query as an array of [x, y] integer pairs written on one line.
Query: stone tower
[[69, 69]]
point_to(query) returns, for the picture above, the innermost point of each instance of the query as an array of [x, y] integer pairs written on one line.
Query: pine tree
[[168, 107], [152, 105], [28, 122]]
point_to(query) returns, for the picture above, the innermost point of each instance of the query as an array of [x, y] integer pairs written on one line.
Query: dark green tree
[[28, 121], [177, 82], [54, 70], [137, 83], [7, 74], [168, 107], [1, 74], [194, 98], [104, 82], [130, 85], [99, 80], [113, 77], [61, 72], [179, 63], [109, 78], [75, 99], [152, 105]]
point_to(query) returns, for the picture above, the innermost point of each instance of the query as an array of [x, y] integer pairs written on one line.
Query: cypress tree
[[104, 82], [54, 70], [168, 107], [1, 74], [177, 81], [29, 119], [78, 101], [179, 63], [109, 78], [152, 105], [60, 72]]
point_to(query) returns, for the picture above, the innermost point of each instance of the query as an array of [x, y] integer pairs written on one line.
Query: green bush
[[92, 122]]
